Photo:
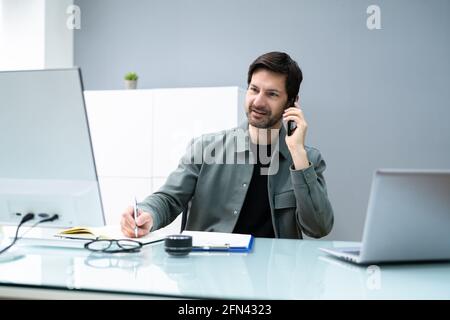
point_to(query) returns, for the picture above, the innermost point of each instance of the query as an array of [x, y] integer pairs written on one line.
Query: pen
[[135, 217]]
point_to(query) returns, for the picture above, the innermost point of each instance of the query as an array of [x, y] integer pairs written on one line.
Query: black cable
[[26, 218], [52, 218]]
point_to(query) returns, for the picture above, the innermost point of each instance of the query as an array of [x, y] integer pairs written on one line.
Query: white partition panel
[[118, 194], [186, 113], [121, 129]]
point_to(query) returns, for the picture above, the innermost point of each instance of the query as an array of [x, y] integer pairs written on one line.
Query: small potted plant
[[131, 80]]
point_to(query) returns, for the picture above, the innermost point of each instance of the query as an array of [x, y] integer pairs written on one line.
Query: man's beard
[[265, 118]]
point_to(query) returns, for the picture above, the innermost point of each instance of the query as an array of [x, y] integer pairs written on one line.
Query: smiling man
[[273, 188]]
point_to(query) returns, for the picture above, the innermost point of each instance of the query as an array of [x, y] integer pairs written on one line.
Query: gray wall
[[372, 98]]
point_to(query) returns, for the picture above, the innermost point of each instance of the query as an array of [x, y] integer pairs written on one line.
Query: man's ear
[[297, 98]]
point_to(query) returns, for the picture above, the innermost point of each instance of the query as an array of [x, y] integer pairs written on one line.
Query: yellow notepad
[[107, 232], [82, 233]]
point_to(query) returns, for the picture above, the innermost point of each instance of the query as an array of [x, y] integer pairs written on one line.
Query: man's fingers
[[127, 231], [143, 218], [127, 221], [128, 213], [293, 111], [127, 224], [295, 118]]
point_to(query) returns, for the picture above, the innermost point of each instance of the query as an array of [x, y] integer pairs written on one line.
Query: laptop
[[408, 219]]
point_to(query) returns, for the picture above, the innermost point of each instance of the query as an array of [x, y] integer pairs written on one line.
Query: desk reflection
[[273, 269]]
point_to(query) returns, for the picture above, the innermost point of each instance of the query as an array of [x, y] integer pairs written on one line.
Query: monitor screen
[[47, 164]]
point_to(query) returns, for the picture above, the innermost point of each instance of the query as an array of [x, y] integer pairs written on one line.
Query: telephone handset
[[291, 125]]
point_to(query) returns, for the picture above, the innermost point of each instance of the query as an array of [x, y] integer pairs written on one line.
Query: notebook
[[106, 232], [218, 241], [85, 233]]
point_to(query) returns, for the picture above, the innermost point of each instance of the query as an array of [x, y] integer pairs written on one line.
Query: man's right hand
[[144, 222]]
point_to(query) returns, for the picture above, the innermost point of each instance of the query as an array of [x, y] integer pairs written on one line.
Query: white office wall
[[58, 37], [22, 31], [34, 34]]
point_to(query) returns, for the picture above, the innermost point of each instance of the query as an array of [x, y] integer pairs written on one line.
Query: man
[[271, 184]]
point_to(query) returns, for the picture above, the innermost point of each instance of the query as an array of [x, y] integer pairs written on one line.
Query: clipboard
[[220, 242]]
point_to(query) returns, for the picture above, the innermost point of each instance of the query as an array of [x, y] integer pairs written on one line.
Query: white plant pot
[[130, 84]]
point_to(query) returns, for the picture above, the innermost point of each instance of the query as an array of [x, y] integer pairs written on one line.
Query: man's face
[[266, 99]]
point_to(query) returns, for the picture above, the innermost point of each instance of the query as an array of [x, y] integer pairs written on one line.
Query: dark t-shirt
[[255, 217]]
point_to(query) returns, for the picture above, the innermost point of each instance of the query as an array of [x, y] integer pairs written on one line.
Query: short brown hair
[[279, 62]]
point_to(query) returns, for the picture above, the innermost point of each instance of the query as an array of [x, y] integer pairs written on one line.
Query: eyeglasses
[[114, 245]]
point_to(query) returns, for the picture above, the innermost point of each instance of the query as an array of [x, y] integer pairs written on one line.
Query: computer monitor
[[46, 164]]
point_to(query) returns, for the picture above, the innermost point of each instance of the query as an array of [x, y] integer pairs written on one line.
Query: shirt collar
[[282, 147]]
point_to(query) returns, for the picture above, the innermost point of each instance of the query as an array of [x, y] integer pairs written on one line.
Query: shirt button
[[235, 212], [244, 185]]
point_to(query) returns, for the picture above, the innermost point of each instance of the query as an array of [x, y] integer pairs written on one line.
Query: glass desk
[[275, 269]]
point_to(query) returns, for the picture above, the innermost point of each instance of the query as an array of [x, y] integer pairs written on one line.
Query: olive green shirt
[[212, 178]]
